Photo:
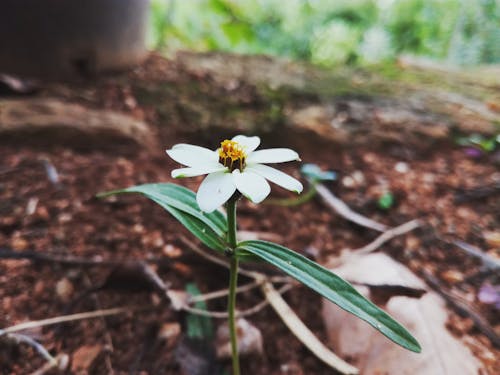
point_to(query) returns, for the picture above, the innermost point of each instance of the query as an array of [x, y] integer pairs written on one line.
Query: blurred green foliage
[[329, 32]]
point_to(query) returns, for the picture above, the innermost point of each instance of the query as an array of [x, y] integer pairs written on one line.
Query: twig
[[300, 330], [488, 261], [463, 308], [477, 193], [343, 210], [62, 364], [53, 258], [51, 172], [70, 318], [388, 235], [20, 338], [219, 261], [241, 289], [222, 293], [8, 170], [239, 314]]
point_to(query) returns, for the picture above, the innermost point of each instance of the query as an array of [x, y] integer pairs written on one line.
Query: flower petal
[[251, 185], [192, 155], [276, 176], [249, 143], [215, 190], [272, 155], [197, 171]]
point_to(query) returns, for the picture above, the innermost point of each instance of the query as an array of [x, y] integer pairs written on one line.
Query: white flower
[[234, 166]]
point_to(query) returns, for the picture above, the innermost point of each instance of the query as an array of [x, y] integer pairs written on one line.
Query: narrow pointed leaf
[[182, 199], [181, 203], [196, 227], [331, 287]]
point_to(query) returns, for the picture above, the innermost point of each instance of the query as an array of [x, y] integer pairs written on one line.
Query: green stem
[[233, 281], [231, 223], [303, 198]]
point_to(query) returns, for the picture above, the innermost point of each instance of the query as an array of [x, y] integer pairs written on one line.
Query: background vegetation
[[326, 32]]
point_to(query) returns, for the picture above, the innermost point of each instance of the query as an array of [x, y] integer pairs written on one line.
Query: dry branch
[[388, 235], [300, 330], [463, 308], [343, 210], [70, 318], [488, 261]]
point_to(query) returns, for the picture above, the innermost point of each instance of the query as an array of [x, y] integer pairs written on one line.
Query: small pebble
[[401, 167], [31, 206], [138, 228], [64, 289], [64, 218], [348, 181], [359, 177], [412, 242], [169, 331], [492, 239], [38, 288], [171, 251], [19, 244], [452, 276]]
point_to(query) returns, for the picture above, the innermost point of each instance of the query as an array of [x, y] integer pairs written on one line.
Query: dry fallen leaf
[[425, 318]]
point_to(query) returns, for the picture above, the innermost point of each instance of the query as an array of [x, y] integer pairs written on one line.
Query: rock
[[50, 121], [84, 358], [341, 105]]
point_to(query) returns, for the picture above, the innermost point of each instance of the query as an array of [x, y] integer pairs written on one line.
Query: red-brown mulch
[[65, 218]]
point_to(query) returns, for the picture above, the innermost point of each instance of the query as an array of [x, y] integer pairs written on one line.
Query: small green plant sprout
[[237, 169], [386, 201], [480, 142]]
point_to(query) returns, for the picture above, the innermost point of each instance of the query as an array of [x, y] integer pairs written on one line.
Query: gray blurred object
[[71, 38]]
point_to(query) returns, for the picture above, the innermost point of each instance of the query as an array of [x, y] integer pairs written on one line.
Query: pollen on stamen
[[232, 155]]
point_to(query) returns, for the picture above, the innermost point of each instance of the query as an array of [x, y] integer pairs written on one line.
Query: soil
[[64, 217]]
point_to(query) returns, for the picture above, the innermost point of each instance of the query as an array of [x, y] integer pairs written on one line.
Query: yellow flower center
[[231, 155]]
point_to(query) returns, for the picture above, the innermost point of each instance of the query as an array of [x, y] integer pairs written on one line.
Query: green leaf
[[181, 203], [196, 227], [331, 287], [386, 201], [198, 326]]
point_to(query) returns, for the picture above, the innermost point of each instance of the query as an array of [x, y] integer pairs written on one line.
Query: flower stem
[[233, 280], [231, 223], [290, 202]]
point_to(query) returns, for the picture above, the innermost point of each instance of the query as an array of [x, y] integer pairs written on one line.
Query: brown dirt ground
[[69, 220]]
